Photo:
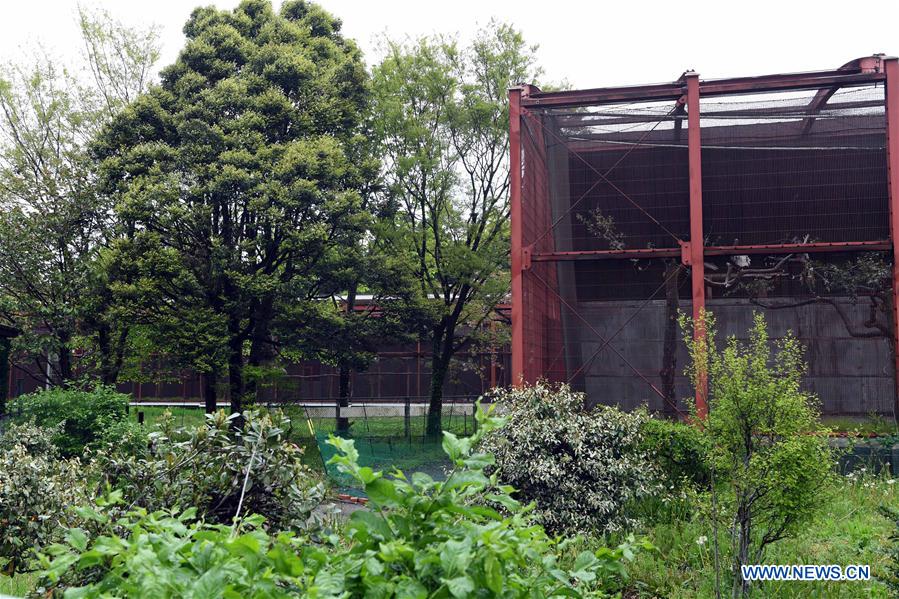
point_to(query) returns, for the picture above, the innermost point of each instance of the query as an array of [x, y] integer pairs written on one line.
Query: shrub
[[125, 437], [84, 415], [36, 489], [765, 441], [421, 538], [207, 466], [583, 467], [679, 452]]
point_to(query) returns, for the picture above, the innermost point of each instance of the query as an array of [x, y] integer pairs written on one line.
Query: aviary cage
[[737, 195]]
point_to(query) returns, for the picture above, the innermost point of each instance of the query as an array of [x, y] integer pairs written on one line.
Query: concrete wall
[[850, 375]]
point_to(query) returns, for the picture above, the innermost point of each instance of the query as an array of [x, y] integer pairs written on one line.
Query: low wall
[[850, 375]]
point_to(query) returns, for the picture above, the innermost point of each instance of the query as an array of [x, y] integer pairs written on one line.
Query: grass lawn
[[848, 531], [864, 425]]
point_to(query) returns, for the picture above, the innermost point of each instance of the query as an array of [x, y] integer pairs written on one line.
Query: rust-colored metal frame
[[688, 90]]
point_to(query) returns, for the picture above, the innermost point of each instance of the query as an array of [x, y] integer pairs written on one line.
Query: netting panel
[[542, 331], [791, 168]]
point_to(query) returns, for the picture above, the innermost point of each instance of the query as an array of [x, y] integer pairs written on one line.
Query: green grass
[[18, 585], [875, 424], [849, 530], [183, 416]]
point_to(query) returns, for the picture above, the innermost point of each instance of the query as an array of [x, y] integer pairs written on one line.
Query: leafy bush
[[169, 554], [581, 466], [422, 538], [36, 489], [679, 452], [84, 415], [207, 467], [125, 437], [766, 445]]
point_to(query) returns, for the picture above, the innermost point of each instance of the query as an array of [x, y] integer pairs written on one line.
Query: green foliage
[[583, 467], [441, 120], [126, 436], [767, 447], [36, 489], [206, 467], [82, 416], [54, 221], [169, 554], [240, 178], [425, 538], [464, 537], [679, 452], [848, 530]]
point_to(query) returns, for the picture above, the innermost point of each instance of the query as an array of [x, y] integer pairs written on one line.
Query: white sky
[[588, 44]]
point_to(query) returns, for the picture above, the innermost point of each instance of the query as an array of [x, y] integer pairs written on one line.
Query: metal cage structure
[[631, 203]]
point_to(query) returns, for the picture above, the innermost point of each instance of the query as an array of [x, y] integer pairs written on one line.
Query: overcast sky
[[587, 44]]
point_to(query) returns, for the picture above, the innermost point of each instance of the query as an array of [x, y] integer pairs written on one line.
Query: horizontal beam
[[714, 87], [791, 112], [716, 250], [606, 254], [800, 248]]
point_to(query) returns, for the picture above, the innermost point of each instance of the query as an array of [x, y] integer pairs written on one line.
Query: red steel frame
[[695, 257], [891, 69], [688, 89], [515, 215]]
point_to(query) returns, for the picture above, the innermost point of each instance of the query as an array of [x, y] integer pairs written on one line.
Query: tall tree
[[54, 222], [235, 173], [442, 120]]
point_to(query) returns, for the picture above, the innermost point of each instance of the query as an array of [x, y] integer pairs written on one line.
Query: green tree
[[54, 221], [442, 120], [767, 447], [235, 176]]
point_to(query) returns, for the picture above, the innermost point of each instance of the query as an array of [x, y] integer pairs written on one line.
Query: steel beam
[[891, 67], [772, 249], [515, 96], [696, 256], [863, 73]]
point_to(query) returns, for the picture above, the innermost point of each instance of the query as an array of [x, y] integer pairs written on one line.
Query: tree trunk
[[440, 360], [235, 370], [111, 354], [669, 349], [64, 362], [209, 390], [343, 401], [261, 353], [343, 398], [5, 348], [741, 587]]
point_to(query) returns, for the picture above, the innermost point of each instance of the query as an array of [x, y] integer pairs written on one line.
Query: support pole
[[696, 250], [516, 233], [891, 68]]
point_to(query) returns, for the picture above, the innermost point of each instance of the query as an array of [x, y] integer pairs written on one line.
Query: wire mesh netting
[[389, 438], [807, 166], [786, 167]]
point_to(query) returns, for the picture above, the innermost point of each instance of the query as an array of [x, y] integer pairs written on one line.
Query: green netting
[[386, 453]]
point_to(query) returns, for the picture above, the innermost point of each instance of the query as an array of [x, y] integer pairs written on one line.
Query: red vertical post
[[891, 68], [515, 215], [697, 254]]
